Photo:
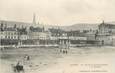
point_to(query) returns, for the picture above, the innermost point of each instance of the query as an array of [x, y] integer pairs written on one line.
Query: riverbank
[[50, 60]]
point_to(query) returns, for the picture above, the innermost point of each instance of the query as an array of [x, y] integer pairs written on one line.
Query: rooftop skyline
[[58, 12]]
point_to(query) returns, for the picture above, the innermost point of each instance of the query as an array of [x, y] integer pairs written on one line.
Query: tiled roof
[[22, 31], [52, 30], [111, 26], [9, 29], [36, 29]]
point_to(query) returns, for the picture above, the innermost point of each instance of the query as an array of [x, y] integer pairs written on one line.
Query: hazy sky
[[61, 12]]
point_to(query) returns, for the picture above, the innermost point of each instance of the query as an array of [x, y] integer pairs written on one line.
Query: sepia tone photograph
[[57, 36]]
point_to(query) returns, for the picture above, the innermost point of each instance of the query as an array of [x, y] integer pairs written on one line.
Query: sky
[[58, 12]]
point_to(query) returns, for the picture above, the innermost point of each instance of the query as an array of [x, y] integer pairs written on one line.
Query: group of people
[[19, 67], [64, 48], [64, 51]]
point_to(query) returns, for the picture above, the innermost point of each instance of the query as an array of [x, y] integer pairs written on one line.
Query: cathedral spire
[[34, 18], [103, 22]]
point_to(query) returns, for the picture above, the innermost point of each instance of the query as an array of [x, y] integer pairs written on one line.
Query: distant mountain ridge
[[113, 22], [75, 27], [80, 26], [18, 24]]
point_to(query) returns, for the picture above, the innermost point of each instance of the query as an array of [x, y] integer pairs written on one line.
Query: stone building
[[105, 33], [9, 36]]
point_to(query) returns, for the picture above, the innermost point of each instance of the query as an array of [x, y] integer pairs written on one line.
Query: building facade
[[34, 35]]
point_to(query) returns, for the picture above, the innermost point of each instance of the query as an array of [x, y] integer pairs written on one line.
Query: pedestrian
[[18, 68], [66, 51], [28, 58]]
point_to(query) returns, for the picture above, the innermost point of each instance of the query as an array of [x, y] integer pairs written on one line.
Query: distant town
[[31, 35]]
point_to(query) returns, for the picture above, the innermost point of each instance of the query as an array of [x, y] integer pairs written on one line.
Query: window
[[5, 36], [8, 33], [15, 33], [8, 37], [11, 33], [15, 37], [11, 37]]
